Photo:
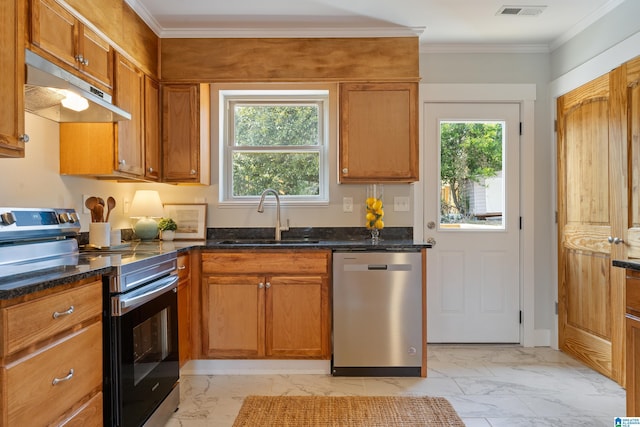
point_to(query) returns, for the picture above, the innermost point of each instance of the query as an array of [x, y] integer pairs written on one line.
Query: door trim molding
[[525, 95]]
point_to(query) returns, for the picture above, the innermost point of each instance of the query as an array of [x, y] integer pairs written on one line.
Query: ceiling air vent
[[521, 10]]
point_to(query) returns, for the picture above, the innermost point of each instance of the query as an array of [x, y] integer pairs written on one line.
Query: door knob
[[431, 225], [431, 241], [615, 240]]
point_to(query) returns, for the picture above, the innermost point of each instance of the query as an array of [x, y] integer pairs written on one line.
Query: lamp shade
[[146, 205]]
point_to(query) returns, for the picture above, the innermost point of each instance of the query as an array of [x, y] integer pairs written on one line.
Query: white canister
[[100, 234], [116, 237]]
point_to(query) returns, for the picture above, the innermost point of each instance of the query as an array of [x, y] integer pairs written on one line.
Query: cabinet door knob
[[150, 170], [24, 137], [615, 240], [122, 162], [260, 285], [268, 285], [79, 58], [192, 171], [182, 267], [345, 170]]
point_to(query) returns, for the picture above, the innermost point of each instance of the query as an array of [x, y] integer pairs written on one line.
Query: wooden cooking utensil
[[98, 210], [90, 203], [111, 203]]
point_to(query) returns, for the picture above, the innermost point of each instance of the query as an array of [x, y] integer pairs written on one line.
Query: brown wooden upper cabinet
[[129, 95], [60, 37], [185, 133], [378, 132], [12, 136], [126, 150], [153, 156]]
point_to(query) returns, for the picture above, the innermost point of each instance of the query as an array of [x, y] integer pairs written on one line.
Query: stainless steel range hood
[[44, 92]]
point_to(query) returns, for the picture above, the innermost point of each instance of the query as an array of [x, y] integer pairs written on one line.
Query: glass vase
[[374, 211]]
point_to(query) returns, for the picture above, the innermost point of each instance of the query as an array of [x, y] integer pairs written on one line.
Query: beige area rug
[[346, 411]]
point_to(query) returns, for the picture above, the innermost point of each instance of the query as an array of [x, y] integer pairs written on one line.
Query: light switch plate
[[347, 204], [401, 204]]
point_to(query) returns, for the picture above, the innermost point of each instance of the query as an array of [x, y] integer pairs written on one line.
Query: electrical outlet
[[347, 204], [401, 204]]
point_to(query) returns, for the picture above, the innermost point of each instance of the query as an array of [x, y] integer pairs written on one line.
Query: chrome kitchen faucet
[[279, 228]]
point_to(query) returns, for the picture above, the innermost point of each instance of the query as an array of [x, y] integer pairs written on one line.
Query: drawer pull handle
[[67, 378], [182, 267], [57, 314]]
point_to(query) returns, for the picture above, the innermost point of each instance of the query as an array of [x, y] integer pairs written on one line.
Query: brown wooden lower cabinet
[[633, 342], [51, 364], [266, 304], [184, 308]]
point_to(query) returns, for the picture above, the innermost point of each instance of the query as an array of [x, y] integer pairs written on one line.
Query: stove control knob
[[74, 217], [64, 217], [7, 218]]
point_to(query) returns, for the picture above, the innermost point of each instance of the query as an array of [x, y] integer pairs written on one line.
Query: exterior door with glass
[[471, 206]]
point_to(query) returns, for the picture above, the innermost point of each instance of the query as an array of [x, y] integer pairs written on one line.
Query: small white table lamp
[[146, 206]]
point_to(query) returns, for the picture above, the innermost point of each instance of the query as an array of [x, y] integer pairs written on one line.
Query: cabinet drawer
[[184, 266], [34, 398], [89, 414], [249, 262], [27, 323]]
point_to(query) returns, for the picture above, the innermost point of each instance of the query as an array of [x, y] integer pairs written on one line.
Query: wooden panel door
[[12, 137], [629, 121], [233, 314], [129, 94], [181, 132], [297, 316], [378, 132], [152, 129], [97, 57], [590, 192], [54, 30]]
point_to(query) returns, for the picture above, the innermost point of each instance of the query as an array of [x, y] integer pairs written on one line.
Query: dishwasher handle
[[377, 267]]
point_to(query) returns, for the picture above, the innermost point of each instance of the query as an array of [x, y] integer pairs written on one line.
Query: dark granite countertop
[[238, 239], [627, 263]]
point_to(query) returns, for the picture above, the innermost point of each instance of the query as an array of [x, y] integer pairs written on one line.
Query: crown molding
[[291, 32], [483, 48]]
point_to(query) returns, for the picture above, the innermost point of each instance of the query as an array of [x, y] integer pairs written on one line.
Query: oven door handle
[[124, 304]]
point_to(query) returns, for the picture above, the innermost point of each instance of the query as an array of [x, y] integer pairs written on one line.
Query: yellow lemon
[[380, 212], [379, 224], [370, 201], [370, 216], [377, 205]]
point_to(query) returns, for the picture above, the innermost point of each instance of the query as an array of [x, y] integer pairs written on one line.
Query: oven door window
[[148, 356], [151, 344]]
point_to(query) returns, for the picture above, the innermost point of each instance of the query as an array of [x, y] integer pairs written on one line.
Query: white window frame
[[278, 97]]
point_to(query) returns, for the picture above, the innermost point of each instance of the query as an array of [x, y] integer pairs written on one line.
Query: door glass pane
[[151, 344], [472, 195]]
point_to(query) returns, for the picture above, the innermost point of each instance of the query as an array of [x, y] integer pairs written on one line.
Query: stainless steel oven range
[[141, 366]]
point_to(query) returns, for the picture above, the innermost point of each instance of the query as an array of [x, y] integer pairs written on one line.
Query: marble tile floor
[[488, 385]]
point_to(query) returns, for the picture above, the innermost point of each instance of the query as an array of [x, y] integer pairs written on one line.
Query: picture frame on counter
[[191, 219]]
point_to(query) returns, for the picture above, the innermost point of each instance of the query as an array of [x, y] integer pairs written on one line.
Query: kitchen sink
[[266, 241]]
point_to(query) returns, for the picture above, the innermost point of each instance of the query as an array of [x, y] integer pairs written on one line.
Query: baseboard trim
[[256, 367], [542, 338]]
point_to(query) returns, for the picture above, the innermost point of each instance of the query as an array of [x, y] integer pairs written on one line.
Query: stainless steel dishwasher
[[377, 313]]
